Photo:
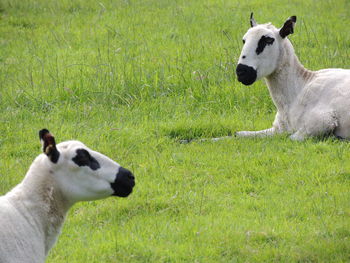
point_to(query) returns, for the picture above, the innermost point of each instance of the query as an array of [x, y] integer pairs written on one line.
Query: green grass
[[130, 79]]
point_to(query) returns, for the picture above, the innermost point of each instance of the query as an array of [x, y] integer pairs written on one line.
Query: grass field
[[131, 78]]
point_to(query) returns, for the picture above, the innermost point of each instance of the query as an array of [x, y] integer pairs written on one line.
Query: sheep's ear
[[288, 27], [49, 145], [253, 23]]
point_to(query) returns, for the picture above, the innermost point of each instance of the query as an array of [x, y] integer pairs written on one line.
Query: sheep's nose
[[125, 173], [246, 74], [124, 182], [240, 70]]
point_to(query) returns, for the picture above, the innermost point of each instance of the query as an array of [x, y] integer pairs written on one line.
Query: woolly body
[[33, 212], [309, 103]]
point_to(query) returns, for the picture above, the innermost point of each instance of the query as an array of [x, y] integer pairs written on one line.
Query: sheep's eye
[[263, 42], [269, 40], [243, 41], [83, 158]]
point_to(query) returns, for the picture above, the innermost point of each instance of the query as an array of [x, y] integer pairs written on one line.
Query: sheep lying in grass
[[309, 103], [31, 214]]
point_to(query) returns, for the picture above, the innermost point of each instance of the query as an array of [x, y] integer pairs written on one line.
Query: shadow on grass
[[187, 132]]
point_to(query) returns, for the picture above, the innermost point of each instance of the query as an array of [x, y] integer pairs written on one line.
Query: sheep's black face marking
[[83, 158], [263, 42]]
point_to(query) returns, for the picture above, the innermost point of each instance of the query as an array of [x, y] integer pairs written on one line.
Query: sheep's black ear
[[288, 27], [253, 23], [49, 145]]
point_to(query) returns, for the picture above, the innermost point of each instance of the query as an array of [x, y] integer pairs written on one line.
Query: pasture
[[131, 79]]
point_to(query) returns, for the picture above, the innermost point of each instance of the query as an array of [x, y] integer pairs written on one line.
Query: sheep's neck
[[288, 80], [42, 204]]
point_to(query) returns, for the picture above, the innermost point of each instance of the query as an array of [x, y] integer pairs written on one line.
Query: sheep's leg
[[278, 127], [262, 133], [298, 136], [316, 123]]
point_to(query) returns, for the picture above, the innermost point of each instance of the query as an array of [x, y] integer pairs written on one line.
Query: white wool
[[309, 103], [32, 213]]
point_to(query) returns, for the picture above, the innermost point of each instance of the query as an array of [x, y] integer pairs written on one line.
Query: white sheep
[[309, 103], [32, 213]]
